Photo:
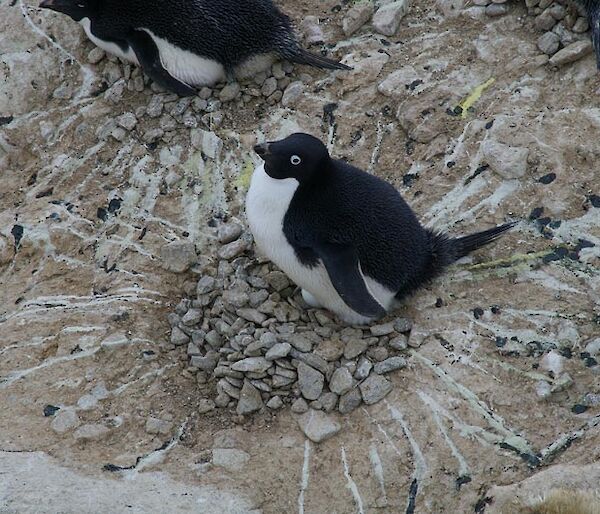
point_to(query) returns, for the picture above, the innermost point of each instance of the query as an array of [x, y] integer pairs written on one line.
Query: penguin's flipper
[[343, 267], [149, 58]]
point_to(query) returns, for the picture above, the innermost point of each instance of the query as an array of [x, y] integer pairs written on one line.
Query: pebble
[[192, 317], [207, 363], [330, 349], [275, 403], [252, 315], [205, 285], [350, 401], [65, 420], [310, 381], [571, 53], [496, 10], [374, 389], [399, 343], [553, 362], [278, 351], [229, 92], [127, 120], [300, 342], [382, 330], [179, 337], [318, 426], [277, 280], [593, 347], [391, 364], [341, 381], [363, 368], [387, 18], [354, 348], [328, 401], [402, 325], [91, 432], [232, 250], [250, 399], [356, 17], [253, 364], [229, 232], [178, 256], [299, 406], [292, 94], [205, 405], [95, 55], [548, 43]]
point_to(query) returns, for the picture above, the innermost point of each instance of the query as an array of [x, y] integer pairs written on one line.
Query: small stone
[[275, 403], [158, 426], [299, 406], [310, 381], [350, 401], [252, 315], [363, 368], [562, 383], [205, 285], [96, 55], [229, 458], [277, 280], [206, 363], [229, 232], [508, 161], [387, 18], [581, 25], [548, 43], [341, 381], [571, 53], [543, 389], [179, 337], [399, 343], [374, 389], [228, 388], [192, 317], [328, 401], [593, 347], [355, 347], [378, 353], [205, 405], [278, 351], [391, 364], [233, 249], [65, 420], [300, 342], [382, 330], [250, 399], [127, 120], [553, 362], [222, 400], [178, 256], [210, 144], [356, 17], [155, 106], [292, 94], [330, 349], [252, 364], [229, 92], [311, 30], [402, 325], [318, 426], [269, 87], [87, 402], [496, 10]]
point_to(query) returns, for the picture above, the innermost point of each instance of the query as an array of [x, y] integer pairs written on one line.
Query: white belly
[[187, 66], [111, 48], [267, 202]]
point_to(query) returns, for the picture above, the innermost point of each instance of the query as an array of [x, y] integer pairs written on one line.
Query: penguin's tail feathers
[[445, 249], [302, 56]]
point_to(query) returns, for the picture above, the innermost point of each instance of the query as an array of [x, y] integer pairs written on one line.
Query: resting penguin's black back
[[345, 205], [229, 31]]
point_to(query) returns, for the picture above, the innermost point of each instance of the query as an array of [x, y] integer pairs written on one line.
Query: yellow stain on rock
[[474, 96]]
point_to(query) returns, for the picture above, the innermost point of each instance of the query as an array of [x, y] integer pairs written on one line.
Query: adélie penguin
[[346, 237], [185, 43], [592, 8]]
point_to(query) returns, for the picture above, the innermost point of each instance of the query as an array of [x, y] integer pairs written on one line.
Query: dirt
[[463, 419]]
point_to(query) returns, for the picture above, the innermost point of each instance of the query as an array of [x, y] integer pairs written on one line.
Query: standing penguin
[[184, 43], [346, 237]]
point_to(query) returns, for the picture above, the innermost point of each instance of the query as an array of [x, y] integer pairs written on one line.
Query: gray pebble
[[374, 389], [65, 420], [275, 403], [387, 18], [299, 406], [382, 330], [229, 92], [310, 381], [269, 87], [252, 364], [363, 368], [96, 55], [350, 401], [206, 363], [278, 351], [356, 17], [179, 337], [292, 94], [328, 401], [91, 432], [354, 348], [127, 120], [391, 364], [341, 381], [250, 399], [205, 405], [496, 10], [318, 426], [233, 249], [229, 232], [158, 426], [252, 315]]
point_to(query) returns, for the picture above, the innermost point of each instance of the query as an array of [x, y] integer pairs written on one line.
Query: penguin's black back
[[346, 205], [228, 31]]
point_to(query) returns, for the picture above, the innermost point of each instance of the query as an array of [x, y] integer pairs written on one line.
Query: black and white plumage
[[592, 8], [346, 237], [184, 43]]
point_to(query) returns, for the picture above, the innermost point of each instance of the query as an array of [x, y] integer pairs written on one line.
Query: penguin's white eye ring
[[295, 160]]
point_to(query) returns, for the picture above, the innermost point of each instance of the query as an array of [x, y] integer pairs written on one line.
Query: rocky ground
[[113, 197]]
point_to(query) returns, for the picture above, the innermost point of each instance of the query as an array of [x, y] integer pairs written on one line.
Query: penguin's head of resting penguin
[[76, 9], [298, 156]]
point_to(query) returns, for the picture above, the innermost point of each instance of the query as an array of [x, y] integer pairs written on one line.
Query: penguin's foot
[[310, 299]]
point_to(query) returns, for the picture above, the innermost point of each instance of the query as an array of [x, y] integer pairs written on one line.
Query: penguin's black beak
[[262, 150]]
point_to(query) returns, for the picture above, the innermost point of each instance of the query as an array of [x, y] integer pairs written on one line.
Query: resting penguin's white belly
[[267, 202]]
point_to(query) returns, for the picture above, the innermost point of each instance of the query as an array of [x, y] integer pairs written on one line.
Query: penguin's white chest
[[267, 203]]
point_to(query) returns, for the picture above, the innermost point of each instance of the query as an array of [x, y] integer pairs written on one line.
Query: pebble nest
[[248, 331]]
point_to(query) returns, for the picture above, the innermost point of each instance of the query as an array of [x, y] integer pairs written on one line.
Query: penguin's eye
[[295, 160]]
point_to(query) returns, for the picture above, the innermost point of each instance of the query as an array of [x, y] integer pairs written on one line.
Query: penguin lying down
[[184, 43], [346, 237]]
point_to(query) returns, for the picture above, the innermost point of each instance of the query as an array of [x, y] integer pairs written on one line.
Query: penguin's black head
[[76, 9], [298, 156]]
